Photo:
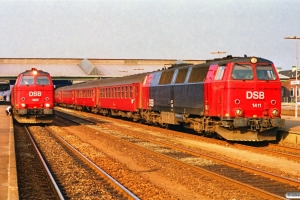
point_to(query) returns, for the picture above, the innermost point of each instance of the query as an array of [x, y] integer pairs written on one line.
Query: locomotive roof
[[29, 72], [228, 59]]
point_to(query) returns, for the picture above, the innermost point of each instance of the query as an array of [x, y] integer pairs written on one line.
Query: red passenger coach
[[32, 97], [124, 96]]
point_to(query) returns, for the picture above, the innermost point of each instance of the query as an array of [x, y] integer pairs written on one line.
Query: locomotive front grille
[[35, 111], [40, 111]]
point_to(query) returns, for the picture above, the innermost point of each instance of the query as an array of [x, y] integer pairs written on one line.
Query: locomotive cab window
[[242, 72], [27, 80], [220, 73], [265, 73], [42, 80]]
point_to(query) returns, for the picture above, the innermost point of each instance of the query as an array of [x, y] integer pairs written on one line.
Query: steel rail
[[247, 187], [119, 187], [54, 184]]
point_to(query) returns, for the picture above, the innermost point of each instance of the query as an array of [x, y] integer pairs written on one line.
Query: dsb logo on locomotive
[[255, 95], [35, 93]]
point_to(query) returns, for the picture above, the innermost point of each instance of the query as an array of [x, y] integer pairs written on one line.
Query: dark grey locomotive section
[[179, 90]]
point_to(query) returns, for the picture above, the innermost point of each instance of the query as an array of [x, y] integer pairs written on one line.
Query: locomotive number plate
[[256, 105], [35, 93]]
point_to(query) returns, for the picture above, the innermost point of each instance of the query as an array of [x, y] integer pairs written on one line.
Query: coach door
[[135, 96], [96, 95]]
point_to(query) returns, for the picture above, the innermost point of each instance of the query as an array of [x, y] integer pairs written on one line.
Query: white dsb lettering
[[255, 95], [35, 93]]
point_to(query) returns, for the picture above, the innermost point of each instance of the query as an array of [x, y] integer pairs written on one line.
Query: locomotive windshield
[[42, 80], [246, 72], [27, 80], [242, 72], [265, 73]]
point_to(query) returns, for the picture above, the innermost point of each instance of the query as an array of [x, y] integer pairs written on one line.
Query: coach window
[[42, 80], [27, 80], [220, 73], [242, 72], [130, 92], [125, 92]]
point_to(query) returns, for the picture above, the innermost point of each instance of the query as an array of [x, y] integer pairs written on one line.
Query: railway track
[[32, 166], [271, 149], [245, 177], [77, 176]]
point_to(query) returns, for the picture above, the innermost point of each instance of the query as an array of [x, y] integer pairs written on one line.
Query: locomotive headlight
[[239, 112], [23, 105], [275, 112], [47, 105], [253, 60], [34, 71]]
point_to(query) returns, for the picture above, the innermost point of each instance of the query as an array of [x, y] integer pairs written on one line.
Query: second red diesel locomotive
[[32, 97], [237, 98]]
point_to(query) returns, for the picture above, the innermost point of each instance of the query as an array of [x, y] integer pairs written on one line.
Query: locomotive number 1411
[[35, 93], [256, 105]]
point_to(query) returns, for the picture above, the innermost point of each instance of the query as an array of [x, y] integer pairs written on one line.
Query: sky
[[150, 29]]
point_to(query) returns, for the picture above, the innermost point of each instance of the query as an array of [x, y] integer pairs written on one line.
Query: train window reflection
[[27, 80], [42, 80], [242, 72], [265, 73]]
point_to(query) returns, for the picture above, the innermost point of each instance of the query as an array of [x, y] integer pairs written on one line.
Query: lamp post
[[295, 38], [218, 52]]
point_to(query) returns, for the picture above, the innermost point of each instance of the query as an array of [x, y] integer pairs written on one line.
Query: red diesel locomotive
[[237, 98], [32, 97]]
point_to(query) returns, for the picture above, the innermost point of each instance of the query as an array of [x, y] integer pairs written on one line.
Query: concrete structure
[[79, 69], [8, 170]]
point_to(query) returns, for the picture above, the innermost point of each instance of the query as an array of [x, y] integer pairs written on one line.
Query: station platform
[[290, 133], [8, 170]]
